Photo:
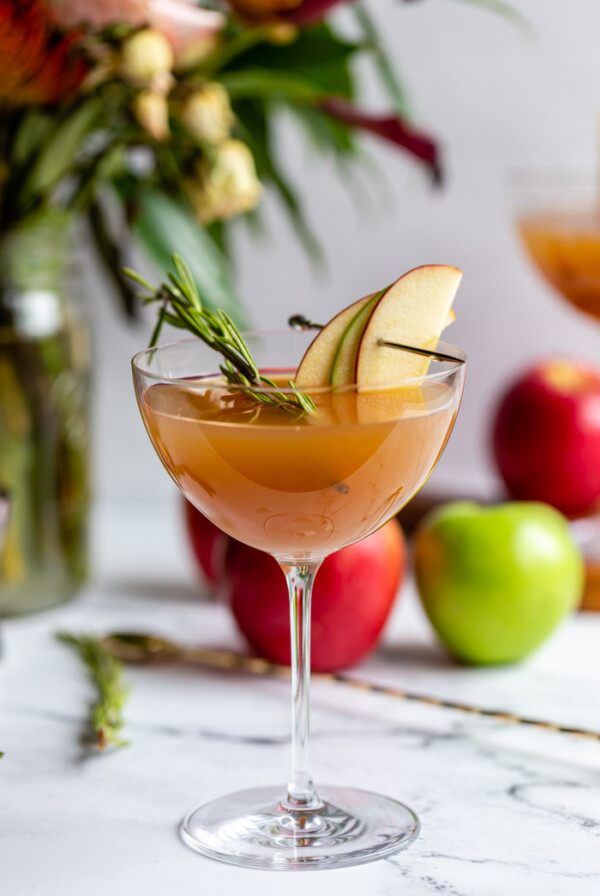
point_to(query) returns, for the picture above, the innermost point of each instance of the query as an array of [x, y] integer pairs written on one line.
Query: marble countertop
[[504, 809]]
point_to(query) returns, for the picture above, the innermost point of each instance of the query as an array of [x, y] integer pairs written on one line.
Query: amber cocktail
[[559, 223], [298, 486]]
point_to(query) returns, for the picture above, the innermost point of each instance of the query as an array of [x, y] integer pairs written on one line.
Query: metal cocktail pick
[[133, 647], [299, 322]]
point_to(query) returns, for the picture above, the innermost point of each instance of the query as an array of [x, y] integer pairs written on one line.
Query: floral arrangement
[[165, 109]]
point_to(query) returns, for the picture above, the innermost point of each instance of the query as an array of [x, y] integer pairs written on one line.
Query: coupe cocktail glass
[[559, 224], [558, 215], [298, 488]]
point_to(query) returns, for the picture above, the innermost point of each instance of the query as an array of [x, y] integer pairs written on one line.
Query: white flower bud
[[152, 111], [146, 57], [207, 114], [196, 51], [282, 33], [227, 185]]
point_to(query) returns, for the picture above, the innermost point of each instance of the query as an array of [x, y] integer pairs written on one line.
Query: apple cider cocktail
[[300, 445], [565, 245], [288, 484]]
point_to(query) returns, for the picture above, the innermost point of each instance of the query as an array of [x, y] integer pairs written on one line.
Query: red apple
[[208, 544], [353, 594], [546, 435]]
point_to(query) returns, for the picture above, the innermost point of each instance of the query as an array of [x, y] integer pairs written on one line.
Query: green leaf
[[332, 78], [297, 218], [507, 11], [325, 132], [388, 75], [317, 54], [165, 228], [110, 254], [253, 118], [219, 233], [106, 166], [57, 157], [313, 47], [263, 83], [32, 133], [236, 44], [256, 225]]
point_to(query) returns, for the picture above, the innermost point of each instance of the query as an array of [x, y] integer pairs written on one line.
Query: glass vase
[[44, 417]]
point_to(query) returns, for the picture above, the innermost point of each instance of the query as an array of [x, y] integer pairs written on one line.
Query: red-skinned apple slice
[[315, 367], [413, 311], [344, 361], [343, 402], [332, 357]]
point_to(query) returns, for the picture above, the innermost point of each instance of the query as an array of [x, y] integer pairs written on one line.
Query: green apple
[[495, 581]]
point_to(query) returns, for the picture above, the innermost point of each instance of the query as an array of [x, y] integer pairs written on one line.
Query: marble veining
[[505, 810]]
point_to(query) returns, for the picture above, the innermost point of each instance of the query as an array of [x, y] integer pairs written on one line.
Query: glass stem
[[301, 792]]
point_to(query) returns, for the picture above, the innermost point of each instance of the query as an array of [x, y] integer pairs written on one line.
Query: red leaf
[[391, 128], [311, 11], [297, 12]]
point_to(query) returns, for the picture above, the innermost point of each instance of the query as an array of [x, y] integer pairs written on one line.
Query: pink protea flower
[[99, 13], [311, 11], [182, 21], [299, 12]]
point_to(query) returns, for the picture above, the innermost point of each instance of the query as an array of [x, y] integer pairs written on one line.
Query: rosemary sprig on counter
[[142, 648], [106, 673], [182, 307]]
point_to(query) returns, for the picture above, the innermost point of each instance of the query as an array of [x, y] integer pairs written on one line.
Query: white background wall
[[496, 99]]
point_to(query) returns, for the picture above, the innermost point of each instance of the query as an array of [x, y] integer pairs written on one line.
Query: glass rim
[[456, 360], [551, 175]]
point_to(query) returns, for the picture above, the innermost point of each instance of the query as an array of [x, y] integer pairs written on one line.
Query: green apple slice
[[343, 402], [316, 365], [344, 361], [413, 311]]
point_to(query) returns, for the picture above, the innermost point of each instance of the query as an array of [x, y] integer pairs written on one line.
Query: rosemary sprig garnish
[[182, 307], [105, 671]]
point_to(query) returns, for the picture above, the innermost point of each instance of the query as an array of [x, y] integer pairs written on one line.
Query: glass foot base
[[252, 828]]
